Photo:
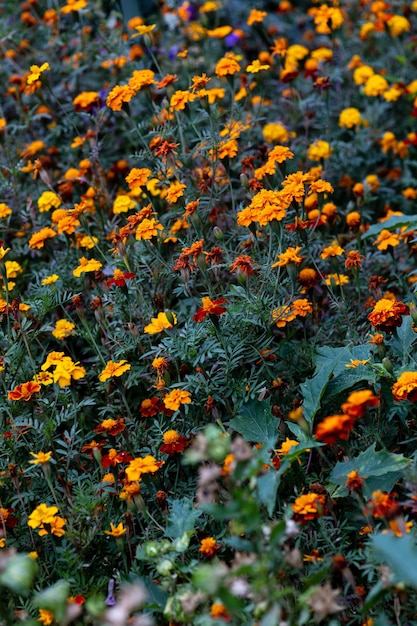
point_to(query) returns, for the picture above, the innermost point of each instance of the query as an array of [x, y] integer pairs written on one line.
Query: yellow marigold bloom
[[227, 66], [291, 255], [175, 398], [148, 228], [53, 358], [118, 96], [114, 369], [40, 458], [73, 5], [85, 99], [87, 265], [46, 618], [123, 203], [50, 280], [43, 378], [330, 251], [349, 118], [406, 387], [5, 210], [398, 24], [256, 66], [385, 239], [38, 239], [66, 370], [63, 329], [319, 150], [180, 99], [142, 29], [220, 32], [36, 72], [3, 123], [301, 307], [362, 73], [321, 54], [3, 252], [294, 186], [116, 531], [336, 279], [137, 467], [13, 269], [48, 200], [275, 133], [160, 323], [309, 506], [286, 446], [43, 514], [376, 85], [356, 362], [388, 141]]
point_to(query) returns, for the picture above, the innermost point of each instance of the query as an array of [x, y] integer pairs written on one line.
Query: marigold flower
[[150, 407], [227, 66], [385, 239], [173, 442], [140, 466], [118, 96], [138, 177], [376, 85], [334, 427], [63, 329], [111, 426], [354, 482], [147, 229], [36, 72], [358, 401], [336, 279], [319, 150], [308, 507], [219, 611], [175, 191], [405, 388], [210, 307], [40, 458], [275, 133], [175, 398], [286, 446], [114, 369], [24, 391], [43, 514], [46, 618], [160, 323], [255, 17], [48, 200], [38, 239], [66, 370], [141, 79], [382, 505], [85, 100], [87, 265], [208, 547], [331, 251], [243, 263], [398, 24], [291, 255], [353, 259], [387, 314], [123, 203], [116, 531]]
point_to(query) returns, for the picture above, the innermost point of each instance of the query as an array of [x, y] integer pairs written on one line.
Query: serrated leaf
[[404, 339], [382, 469], [400, 554], [348, 378], [396, 221], [182, 517], [256, 423]]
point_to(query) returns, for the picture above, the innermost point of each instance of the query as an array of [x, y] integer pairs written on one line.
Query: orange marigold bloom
[[382, 505], [308, 507], [210, 307], [358, 401], [148, 228], [387, 314], [38, 239], [386, 239], [219, 611], [330, 251], [173, 442], [140, 466], [111, 426], [406, 387], [140, 79], [353, 259], [227, 66], [208, 547], [87, 265], [118, 96], [24, 391], [335, 427], [243, 263], [138, 177], [114, 369], [175, 398]]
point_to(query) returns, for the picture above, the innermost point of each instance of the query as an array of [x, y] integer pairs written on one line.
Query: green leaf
[[380, 470], [400, 554], [396, 221], [404, 339], [267, 486], [256, 423], [314, 388], [182, 517], [348, 378]]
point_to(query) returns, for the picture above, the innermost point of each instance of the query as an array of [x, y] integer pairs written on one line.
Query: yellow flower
[[65, 370], [36, 72], [147, 229], [227, 66], [160, 323], [114, 369], [336, 279], [286, 446], [275, 133], [123, 203], [87, 265], [5, 210], [43, 514], [140, 466], [330, 251], [349, 118], [50, 280], [319, 150], [142, 29], [398, 24], [48, 200], [116, 531], [63, 329], [45, 617], [356, 362], [40, 458], [175, 398], [256, 66], [386, 239], [291, 255], [255, 16], [3, 252], [376, 85]]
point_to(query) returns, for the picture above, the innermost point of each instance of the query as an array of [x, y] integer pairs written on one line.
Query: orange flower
[[118, 96], [175, 398], [138, 177], [210, 307], [353, 259], [38, 239], [147, 229], [111, 426], [358, 401], [208, 547], [137, 467], [227, 66], [406, 387], [289, 256], [382, 505], [87, 265], [386, 239], [243, 263], [114, 369], [354, 482], [24, 391], [160, 323], [173, 442], [387, 314], [308, 507], [335, 427]]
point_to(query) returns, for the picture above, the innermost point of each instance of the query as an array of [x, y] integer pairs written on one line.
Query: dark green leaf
[[256, 423], [181, 518], [400, 554]]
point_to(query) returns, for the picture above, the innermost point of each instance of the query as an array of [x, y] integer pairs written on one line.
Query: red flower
[[119, 278], [24, 391], [210, 307], [173, 442], [114, 457]]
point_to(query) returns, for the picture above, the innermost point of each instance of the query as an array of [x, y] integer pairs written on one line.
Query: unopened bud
[[244, 181], [388, 365], [218, 233]]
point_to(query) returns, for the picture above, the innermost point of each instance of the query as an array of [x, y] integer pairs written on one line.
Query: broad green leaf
[[404, 339], [348, 378], [381, 470], [267, 486], [256, 423], [400, 554], [182, 517], [396, 221]]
